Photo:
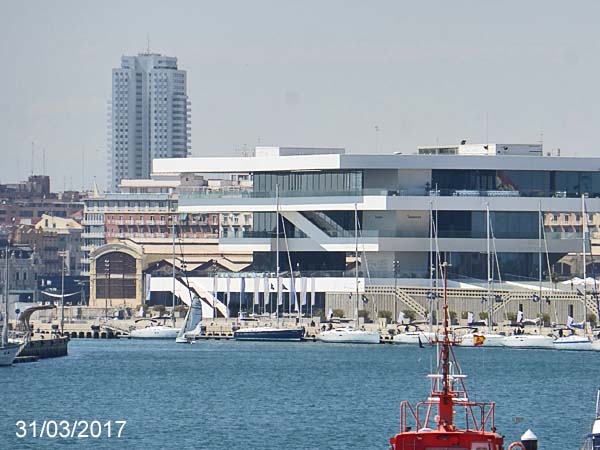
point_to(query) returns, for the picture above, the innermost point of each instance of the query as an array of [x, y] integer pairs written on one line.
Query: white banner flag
[[293, 294], [228, 287], [148, 287], [470, 317], [312, 291], [266, 290], [519, 316], [279, 293], [256, 283], [303, 291]]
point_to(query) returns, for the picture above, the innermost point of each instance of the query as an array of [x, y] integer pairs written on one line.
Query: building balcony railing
[[92, 235], [411, 234], [422, 192], [92, 222]]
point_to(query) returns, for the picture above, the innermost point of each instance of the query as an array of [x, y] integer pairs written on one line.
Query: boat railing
[[478, 416]]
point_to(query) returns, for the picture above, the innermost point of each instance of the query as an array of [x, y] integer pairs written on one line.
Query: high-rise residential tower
[[149, 116]]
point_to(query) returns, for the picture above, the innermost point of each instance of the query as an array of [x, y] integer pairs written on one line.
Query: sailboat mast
[[583, 223], [173, 296], [488, 258], [5, 324], [431, 256], [540, 226], [62, 296], [277, 250], [356, 260]]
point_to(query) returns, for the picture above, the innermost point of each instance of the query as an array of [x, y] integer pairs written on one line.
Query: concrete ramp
[[165, 284], [209, 301]]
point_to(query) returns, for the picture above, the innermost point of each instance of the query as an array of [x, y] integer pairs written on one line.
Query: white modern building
[[408, 206], [149, 116]]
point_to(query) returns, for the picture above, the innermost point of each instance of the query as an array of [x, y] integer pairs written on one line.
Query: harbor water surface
[[222, 395]]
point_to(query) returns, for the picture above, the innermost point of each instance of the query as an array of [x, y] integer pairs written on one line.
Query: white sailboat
[[270, 333], [529, 340], [488, 338], [574, 341], [349, 334], [8, 351], [193, 323], [415, 337], [592, 440], [418, 336], [161, 331]]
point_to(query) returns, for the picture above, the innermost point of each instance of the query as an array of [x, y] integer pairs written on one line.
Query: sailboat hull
[[491, 340], [349, 336], [413, 338], [269, 334], [155, 332], [573, 342], [529, 341], [8, 354]]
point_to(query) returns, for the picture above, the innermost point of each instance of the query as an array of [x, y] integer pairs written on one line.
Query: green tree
[[338, 313], [384, 314]]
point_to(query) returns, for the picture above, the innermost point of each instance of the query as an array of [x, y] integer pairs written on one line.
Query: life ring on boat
[[515, 445]]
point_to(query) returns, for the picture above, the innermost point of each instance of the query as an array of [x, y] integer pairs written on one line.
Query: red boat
[[421, 428]]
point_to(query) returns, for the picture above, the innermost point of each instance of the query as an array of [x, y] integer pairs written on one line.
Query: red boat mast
[[448, 392]]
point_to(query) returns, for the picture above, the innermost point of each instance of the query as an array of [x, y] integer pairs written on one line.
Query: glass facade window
[[265, 225], [512, 266], [529, 183], [318, 181], [472, 224]]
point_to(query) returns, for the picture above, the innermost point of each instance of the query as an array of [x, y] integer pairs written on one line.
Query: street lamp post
[[62, 295], [396, 266], [106, 287]]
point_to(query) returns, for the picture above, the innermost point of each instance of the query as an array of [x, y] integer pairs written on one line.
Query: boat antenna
[[446, 407]]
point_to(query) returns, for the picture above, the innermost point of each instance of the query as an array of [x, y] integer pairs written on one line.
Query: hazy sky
[[304, 73]]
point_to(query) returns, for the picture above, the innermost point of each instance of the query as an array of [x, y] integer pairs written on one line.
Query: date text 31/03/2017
[[70, 429]]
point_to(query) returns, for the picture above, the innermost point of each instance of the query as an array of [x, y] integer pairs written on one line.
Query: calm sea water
[[268, 396]]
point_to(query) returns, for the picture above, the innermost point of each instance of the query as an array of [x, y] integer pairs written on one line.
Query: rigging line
[[589, 240], [360, 233], [184, 264], [495, 252], [497, 264], [292, 281], [548, 264]]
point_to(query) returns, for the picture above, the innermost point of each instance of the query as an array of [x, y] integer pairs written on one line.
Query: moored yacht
[[529, 341], [414, 337], [155, 332], [592, 440], [8, 353], [8, 350], [349, 335], [476, 339], [573, 342], [264, 333]]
